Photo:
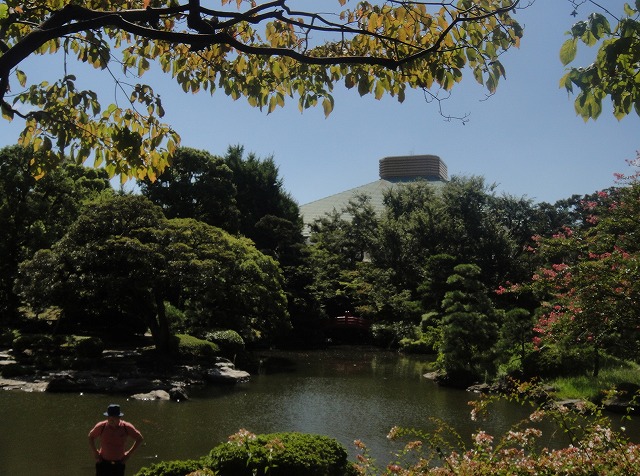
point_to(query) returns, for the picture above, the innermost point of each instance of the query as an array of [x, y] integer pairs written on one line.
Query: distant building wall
[[411, 167]]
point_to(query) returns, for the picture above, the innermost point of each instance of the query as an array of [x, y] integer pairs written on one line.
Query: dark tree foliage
[[197, 185], [35, 214], [122, 261], [104, 272], [469, 327], [268, 213], [242, 195]]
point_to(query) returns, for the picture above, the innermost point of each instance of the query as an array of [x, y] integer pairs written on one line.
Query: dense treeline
[[431, 270], [490, 284]]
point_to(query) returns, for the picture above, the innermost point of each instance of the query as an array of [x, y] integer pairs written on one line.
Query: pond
[[347, 393]]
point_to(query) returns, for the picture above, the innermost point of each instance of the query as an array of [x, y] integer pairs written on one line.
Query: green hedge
[[86, 347], [16, 370], [7, 336], [192, 348], [282, 454], [229, 341], [43, 343], [172, 468]]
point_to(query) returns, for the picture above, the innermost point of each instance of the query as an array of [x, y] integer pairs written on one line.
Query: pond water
[[346, 393]]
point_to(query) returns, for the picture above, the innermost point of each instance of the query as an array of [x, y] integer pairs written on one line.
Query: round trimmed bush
[[172, 468], [36, 343], [88, 347], [282, 454], [15, 370], [230, 341], [192, 348]]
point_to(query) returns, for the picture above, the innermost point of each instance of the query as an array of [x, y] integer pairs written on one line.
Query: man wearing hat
[[113, 434]]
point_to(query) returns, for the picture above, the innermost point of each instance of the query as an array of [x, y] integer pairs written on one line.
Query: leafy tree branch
[[265, 52]]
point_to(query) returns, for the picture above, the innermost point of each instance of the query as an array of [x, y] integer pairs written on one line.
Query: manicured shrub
[[35, 343], [176, 317], [554, 361], [172, 468], [15, 370], [230, 341], [192, 348], [389, 334], [88, 347], [280, 454], [7, 336], [419, 346], [80, 363]]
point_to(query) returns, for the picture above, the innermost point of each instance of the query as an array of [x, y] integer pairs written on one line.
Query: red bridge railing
[[349, 321]]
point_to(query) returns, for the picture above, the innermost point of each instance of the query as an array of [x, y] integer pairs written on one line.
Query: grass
[[591, 388]]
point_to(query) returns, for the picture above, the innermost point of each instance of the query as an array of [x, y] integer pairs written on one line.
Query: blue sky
[[526, 138]]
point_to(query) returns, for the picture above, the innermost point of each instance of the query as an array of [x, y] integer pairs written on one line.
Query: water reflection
[[345, 393]]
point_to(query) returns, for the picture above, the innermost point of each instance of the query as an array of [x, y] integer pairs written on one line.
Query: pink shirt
[[114, 438]]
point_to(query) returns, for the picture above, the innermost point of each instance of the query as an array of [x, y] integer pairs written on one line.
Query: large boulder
[[225, 372], [152, 395]]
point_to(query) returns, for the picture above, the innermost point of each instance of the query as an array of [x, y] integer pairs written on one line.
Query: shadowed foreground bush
[[172, 468]]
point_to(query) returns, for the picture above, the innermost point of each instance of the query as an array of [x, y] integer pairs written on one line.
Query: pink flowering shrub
[[593, 449], [588, 282]]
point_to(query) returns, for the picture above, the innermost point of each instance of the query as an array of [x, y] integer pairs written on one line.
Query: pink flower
[[482, 438]]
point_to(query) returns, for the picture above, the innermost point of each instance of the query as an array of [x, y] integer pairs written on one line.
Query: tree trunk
[[596, 362], [159, 327]]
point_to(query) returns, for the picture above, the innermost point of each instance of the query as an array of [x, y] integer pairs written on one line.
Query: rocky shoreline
[[621, 402], [120, 375]]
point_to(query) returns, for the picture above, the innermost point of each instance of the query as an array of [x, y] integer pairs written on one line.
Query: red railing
[[350, 321]]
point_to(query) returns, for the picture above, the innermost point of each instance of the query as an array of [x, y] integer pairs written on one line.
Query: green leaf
[[568, 51], [578, 29], [272, 104], [565, 82], [7, 113], [379, 90], [589, 38], [350, 80], [477, 74], [327, 106], [599, 25], [4, 11], [22, 77], [363, 86]]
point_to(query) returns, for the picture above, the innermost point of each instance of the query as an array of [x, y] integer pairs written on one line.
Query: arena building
[[394, 172]]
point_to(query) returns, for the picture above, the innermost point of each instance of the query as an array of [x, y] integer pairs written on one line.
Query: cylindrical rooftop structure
[[411, 167]]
